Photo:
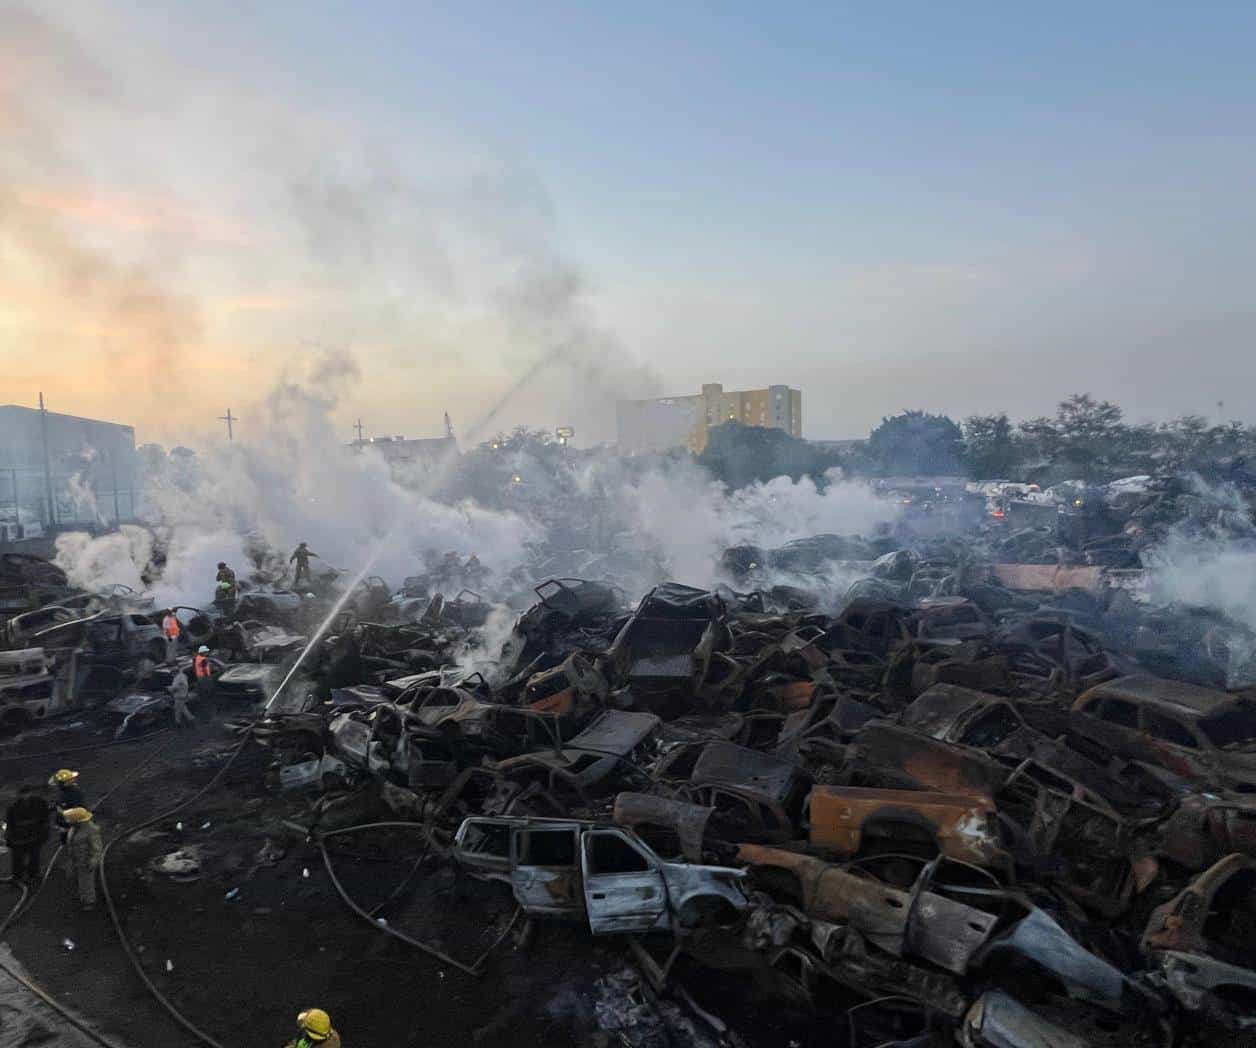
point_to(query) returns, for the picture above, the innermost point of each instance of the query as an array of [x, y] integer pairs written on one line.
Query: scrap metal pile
[[989, 801], [962, 817]]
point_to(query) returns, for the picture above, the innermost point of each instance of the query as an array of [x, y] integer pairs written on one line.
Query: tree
[[1090, 433], [917, 443], [988, 446], [740, 455]]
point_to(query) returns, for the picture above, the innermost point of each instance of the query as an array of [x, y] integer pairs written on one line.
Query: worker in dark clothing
[[225, 574], [27, 832], [69, 794], [302, 555]]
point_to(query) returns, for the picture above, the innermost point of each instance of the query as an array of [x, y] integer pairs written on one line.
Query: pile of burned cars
[[958, 815]]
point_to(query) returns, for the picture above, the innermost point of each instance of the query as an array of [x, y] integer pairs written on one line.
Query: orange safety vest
[[170, 626], [203, 668]]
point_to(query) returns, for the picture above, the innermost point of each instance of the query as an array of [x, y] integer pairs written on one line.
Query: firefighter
[[302, 555], [170, 629], [204, 671], [314, 1025], [69, 794], [224, 587], [84, 846], [179, 699], [26, 832]]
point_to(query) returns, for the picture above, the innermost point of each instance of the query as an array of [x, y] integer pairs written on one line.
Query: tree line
[[1086, 439]]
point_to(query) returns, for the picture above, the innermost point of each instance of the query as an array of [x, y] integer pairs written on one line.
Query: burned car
[[1193, 734], [606, 756], [603, 875], [848, 821], [28, 690]]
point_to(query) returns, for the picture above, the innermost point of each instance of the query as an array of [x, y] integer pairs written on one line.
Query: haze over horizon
[[963, 210]]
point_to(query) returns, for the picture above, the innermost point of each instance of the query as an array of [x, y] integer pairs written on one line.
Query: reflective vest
[[170, 627], [203, 668]]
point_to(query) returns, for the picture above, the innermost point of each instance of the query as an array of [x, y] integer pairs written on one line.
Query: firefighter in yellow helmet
[[84, 846], [315, 1027]]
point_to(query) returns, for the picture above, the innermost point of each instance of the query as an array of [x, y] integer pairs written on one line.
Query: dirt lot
[[240, 967]]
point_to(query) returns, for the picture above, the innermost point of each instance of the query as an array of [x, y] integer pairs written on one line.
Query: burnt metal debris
[[977, 801]]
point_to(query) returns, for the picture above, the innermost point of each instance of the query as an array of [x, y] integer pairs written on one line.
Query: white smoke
[[690, 519], [118, 557], [297, 483], [1208, 560]]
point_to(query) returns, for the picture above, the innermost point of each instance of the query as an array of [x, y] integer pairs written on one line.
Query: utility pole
[[358, 427], [43, 426], [229, 419], [117, 512]]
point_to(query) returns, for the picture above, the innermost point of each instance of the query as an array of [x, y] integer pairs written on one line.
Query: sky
[[516, 212]]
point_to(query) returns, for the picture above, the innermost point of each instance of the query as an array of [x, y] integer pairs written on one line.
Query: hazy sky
[[960, 207]]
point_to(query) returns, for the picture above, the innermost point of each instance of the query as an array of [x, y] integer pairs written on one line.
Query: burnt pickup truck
[[604, 875]]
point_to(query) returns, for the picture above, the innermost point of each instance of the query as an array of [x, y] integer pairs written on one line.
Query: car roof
[[1169, 695], [616, 732]]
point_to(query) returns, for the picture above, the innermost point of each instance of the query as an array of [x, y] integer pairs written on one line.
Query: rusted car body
[[1198, 735], [609, 753], [1214, 915], [576, 683], [885, 755], [650, 815], [1206, 827], [1204, 944], [971, 718], [603, 875], [845, 819], [919, 922], [656, 651]]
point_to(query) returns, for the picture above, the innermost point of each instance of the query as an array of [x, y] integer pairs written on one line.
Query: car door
[[623, 884], [483, 845], [545, 874]]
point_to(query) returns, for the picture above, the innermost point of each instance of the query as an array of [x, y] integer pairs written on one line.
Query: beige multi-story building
[[686, 422]]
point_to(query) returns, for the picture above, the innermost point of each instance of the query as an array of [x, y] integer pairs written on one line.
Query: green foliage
[[917, 443], [1088, 439], [988, 445], [739, 455]]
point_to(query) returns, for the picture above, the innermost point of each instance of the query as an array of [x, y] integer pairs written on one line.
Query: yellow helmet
[[316, 1023], [65, 775], [77, 815]]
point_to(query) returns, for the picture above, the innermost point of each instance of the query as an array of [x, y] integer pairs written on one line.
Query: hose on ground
[[174, 1012], [474, 968], [82, 749], [407, 939], [28, 897], [14, 912]]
